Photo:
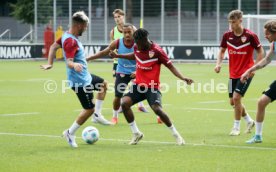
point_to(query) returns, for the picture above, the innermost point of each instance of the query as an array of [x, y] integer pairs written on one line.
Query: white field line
[[19, 114], [223, 110], [153, 142]]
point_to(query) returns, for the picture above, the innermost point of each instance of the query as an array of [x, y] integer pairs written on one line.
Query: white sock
[[140, 104], [259, 128], [74, 127], [115, 113], [134, 127], [237, 124], [98, 107], [173, 130], [247, 118]]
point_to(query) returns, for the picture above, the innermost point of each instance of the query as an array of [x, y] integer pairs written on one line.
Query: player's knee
[[236, 99], [89, 111], [125, 105], [262, 103]]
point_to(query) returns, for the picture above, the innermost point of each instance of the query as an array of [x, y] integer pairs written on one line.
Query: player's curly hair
[[140, 34], [270, 25]]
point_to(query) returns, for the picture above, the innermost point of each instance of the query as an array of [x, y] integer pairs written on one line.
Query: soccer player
[[240, 43], [149, 56], [80, 80], [125, 71], [117, 33], [270, 94]]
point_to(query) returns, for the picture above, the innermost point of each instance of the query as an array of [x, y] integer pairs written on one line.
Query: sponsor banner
[[177, 52]]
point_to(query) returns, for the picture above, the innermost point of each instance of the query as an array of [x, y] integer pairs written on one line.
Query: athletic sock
[[237, 124], [74, 127], [98, 107], [259, 128], [173, 130], [247, 118], [115, 113], [134, 127]]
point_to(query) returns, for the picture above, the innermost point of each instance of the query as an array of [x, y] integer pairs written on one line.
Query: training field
[[31, 123]]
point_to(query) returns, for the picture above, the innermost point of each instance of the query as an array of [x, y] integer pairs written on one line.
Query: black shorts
[[121, 84], [114, 68], [237, 86], [85, 94], [271, 91], [138, 94]]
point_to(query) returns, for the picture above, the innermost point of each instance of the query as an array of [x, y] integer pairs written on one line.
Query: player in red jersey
[[240, 43], [149, 57]]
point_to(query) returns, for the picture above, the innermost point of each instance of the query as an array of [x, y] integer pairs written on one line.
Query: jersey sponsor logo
[[151, 54], [128, 66], [237, 52], [15, 52], [144, 67], [243, 39], [231, 38]]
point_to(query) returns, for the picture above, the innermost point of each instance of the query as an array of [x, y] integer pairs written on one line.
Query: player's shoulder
[[249, 32], [155, 47]]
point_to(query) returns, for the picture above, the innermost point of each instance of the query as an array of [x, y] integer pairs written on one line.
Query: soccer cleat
[[255, 139], [136, 138], [234, 132], [159, 121], [143, 109], [114, 120], [100, 119], [249, 127], [71, 139], [179, 140]]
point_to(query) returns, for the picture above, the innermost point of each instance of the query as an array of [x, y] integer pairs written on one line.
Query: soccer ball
[[90, 135]]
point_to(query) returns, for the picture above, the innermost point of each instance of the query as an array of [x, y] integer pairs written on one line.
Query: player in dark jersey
[[270, 94], [240, 43], [149, 56]]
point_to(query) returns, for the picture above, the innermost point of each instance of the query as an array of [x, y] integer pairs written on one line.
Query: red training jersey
[[240, 50], [70, 47], [148, 65]]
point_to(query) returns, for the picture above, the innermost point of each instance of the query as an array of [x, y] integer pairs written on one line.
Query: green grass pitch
[[31, 123]]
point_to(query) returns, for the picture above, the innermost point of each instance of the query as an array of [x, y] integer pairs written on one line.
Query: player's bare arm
[[261, 64], [220, 59], [52, 53], [260, 54], [129, 56], [71, 64], [111, 35], [104, 52], [176, 72]]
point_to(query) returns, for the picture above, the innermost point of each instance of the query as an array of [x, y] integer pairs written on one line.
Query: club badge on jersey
[[151, 54], [243, 39]]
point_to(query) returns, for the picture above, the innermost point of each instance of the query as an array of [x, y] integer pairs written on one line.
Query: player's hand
[[46, 67], [188, 81], [246, 75], [78, 67], [133, 75], [113, 54], [217, 68]]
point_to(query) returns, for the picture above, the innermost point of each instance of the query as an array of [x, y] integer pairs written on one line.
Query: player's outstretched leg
[[164, 117], [262, 104], [69, 134], [137, 134], [97, 116]]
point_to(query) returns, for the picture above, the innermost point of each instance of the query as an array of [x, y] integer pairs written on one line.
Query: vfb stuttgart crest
[[243, 39], [151, 54]]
